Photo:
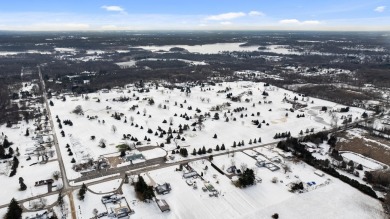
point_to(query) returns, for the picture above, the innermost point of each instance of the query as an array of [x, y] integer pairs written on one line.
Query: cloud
[[113, 8], [256, 13], [311, 22], [226, 23], [380, 9], [226, 16], [289, 21], [295, 21]]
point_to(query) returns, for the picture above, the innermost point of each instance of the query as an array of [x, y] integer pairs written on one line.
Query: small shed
[[190, 174], [163, 205], [319, 173], [163, 189]]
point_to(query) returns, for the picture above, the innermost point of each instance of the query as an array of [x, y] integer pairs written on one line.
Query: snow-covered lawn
[[30, 170], [360, 159], [333, 200], [106, 187], [154, 153], [31, 174]]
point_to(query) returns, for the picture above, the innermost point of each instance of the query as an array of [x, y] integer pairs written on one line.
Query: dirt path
[[72, 208]]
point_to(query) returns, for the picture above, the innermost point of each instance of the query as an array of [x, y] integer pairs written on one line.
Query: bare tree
[[102, 143], [113, 128], [243, 167], [200, 122], [286, 168], [78, 110], [335, 119], [95, 212]]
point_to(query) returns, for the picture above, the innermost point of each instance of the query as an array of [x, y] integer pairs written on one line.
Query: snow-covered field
[[167, 106]]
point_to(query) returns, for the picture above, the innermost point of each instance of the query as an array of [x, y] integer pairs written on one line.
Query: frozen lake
[[206, 48]]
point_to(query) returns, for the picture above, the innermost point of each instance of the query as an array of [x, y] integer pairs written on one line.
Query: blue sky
[[195, 15]]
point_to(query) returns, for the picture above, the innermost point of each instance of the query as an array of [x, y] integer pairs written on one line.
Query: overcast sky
[[195, 15]]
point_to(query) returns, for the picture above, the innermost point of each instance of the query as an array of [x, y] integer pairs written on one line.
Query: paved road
[[55, 140]]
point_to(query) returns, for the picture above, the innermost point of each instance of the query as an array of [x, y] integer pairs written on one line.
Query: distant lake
[[206, 48]]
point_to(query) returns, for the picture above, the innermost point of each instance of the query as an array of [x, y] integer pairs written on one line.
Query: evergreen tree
[[60, 199], [11, 151], [2, 152], [6, 143], [217, 148], [142, 188], [222, 147], [148, 193], [22, 185], [234, 144], [204, 150], [141, 185], [14, 210], [194, 152], [82, 192]]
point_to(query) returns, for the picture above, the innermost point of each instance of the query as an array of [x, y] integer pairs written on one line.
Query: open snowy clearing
[[366, 162]]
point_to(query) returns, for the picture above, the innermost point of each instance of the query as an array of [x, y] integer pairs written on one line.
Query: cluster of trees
[[240, 143], [300, 115], [68, 122], [121, 99], [116, 116], [247, 178], [307, 131], [144, 192], [201, 151], [344, 109], [297, 186], [254, 141], [222, 148], [183, 152], [4, 145], [282, 135]]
